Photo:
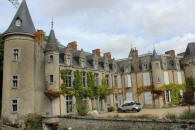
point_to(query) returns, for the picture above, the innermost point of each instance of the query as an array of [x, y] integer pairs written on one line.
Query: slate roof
[[52, 44], [26, 20], [190, 50]]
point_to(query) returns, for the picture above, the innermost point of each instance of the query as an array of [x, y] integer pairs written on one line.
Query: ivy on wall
[[174, 88]]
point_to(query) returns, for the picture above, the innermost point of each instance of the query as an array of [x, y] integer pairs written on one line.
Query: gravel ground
[[160, 112]]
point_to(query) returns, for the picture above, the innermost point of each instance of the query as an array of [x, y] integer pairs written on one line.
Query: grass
[[186, 115]]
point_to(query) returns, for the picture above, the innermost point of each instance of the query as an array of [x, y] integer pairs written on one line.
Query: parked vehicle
[[132, 106]]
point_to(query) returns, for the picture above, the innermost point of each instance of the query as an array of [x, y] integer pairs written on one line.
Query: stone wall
[[89, 123]]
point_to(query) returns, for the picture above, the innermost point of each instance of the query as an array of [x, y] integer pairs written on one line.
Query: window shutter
[[165, 96], [179, 77], [146, 79], [166, 77], [169, 96], [129, 80]]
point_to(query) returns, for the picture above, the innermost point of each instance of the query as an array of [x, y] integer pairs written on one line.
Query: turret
[[52, 69]]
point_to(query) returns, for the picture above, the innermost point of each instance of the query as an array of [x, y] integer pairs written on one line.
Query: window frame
[[69, 78], [51, 77], [18, 54], [16, 104], [17, 81]]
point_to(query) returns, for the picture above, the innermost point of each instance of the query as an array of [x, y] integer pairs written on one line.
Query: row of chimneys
[[39, 37], [73, 46]]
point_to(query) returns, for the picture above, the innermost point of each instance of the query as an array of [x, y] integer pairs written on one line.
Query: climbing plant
[[174, 88], [93, 90], [104, 91]]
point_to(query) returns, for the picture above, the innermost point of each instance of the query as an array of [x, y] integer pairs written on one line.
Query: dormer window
[[68, 61], [18, 22], [82, 62]]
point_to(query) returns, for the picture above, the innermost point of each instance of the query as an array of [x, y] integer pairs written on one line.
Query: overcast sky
[[113, 25]]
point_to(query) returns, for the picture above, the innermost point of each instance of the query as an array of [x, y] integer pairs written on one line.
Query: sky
[[113, 25]]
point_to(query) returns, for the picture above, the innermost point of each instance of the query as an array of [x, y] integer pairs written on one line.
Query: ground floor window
[[148, 98], [167, 96], [69, 104]]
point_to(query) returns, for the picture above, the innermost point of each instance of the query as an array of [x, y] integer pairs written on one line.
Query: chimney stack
[[181, 54], [97, 52], [171, 53], [108, 55], [39, 37], [73, 45]]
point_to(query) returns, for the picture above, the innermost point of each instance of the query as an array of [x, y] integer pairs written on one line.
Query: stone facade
[[30, 69]]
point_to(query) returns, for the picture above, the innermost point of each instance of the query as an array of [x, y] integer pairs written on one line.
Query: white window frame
[[50, 60], [166, 77], [12, 81], [146, 77], [69, 81], [146, 94], [179, 78], [128, 83], [18, 54], [167, 96], [51, 82], [17, 105], [82, 62], [68, 105], [68, 60]]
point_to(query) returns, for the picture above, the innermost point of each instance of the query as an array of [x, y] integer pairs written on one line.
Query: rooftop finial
[[52, 23]]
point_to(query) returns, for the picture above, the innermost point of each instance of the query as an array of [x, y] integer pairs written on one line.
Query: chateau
[[31, 67]]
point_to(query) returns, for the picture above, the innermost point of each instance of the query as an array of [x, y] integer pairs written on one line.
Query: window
[[179, 78], [126, 70], [128, 81], [69, 104], [16, 54], [146, 79], [129, 96], [157, 65], [158, 80], [51, 79], [115, 82], [82, 62], [18, 22], [15, 81], [69, 78], [95, 64], [51, 58], [166, 77], [68, 61], [96, 79], [84, 79], [148, 98], [14, 105], [145, 66], [167, 96], [107, 80]]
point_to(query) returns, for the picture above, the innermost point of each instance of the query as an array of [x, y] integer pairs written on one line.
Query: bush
[[188, 115], [170, 116], [33, 122], [110, 108], [95, 108]]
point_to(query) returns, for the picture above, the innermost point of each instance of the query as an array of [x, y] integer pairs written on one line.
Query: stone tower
[[23, 73], [52, 69]]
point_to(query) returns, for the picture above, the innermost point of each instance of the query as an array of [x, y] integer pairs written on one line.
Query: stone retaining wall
[[88, 123]]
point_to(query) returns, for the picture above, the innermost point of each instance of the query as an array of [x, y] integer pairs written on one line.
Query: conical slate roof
[[155, 56], [52, 44], [25, 21]]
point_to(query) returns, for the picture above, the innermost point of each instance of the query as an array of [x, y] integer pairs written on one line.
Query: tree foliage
[[104, 91]]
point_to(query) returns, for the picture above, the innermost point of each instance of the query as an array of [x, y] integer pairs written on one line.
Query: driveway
[[160, 112]]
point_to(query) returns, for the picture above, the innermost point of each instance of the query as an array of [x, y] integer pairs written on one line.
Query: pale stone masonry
[[32, 67]]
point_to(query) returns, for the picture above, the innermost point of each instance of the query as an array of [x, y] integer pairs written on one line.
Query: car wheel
[[134, 110], [119, 111]]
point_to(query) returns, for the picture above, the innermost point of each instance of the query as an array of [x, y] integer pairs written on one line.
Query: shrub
[[110, 108], [33, 122], [95, 108], [170, 116]]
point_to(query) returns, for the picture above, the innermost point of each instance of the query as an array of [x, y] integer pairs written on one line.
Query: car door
[[130, 106], [125, 106]]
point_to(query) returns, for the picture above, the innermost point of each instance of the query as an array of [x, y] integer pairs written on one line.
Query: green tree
[[104, 91]]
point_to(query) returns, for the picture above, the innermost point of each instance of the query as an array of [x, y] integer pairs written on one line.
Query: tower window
[[15, 81], [51, 58], [16, 54], [51, 79], [14, 105]]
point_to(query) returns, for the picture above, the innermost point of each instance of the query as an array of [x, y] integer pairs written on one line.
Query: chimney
[[97, 52], [73, 45], [39, 37], [171, 53], [108, 55], [181, 54], [135, 59]]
